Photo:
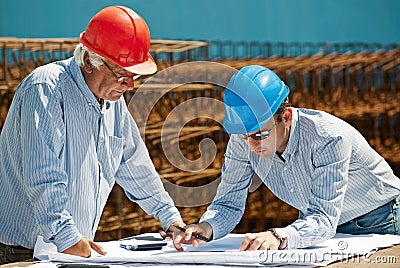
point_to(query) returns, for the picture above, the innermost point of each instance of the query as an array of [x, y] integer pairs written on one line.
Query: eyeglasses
[[124, 77], [261, 135]]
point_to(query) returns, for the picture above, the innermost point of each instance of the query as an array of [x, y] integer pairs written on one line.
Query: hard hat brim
[[145, 68]]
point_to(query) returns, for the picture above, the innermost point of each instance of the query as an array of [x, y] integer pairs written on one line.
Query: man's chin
[[264, 154], [115, 96], [114, 99]]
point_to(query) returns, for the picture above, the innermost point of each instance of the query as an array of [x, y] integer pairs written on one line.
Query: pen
[[196, 235]]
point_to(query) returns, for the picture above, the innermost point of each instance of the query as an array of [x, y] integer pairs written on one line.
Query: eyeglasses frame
[[121, 78], [262, 134]]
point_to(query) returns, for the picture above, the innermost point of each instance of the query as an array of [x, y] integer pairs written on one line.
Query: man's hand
[[82, 248], [171, 229], [259, 241], [186, 237]]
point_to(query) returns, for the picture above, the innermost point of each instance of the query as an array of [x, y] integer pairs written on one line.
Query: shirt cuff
[[293, 237], [66, 238], [169, 216], [210, 217]]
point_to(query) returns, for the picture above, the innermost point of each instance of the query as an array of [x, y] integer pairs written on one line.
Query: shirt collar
[[293, 143], [76, 73]]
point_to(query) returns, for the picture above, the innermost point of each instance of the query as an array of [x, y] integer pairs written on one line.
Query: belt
[[16, 249]]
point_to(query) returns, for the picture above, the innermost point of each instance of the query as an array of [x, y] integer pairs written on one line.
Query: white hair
[[79, 53]]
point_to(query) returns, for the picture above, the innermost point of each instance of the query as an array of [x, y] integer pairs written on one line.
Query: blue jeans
[[383, 220]]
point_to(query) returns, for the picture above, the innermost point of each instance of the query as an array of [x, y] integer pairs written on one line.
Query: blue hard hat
[[252, 97]]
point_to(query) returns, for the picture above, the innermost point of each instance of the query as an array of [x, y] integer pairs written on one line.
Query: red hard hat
[[121, 36]]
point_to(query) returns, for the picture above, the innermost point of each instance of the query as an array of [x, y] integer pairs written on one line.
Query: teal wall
[[367, 21]]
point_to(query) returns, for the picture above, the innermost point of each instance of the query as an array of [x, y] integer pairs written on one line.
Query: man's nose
[[253, 144], [130, 83]]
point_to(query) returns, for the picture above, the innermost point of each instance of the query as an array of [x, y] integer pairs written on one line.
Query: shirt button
[[292, 190], [285, 168]]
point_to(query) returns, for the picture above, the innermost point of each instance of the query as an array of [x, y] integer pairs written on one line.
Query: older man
[[69, 137]]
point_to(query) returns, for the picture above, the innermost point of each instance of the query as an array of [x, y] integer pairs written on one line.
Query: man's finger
[[255, 244], [165, 235], [246, 242], [195, 243], [96, 247], [264, 246], [177, 242], [188, 234]]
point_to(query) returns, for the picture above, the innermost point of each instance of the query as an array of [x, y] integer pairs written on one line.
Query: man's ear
[[287, 116], [87, 66]]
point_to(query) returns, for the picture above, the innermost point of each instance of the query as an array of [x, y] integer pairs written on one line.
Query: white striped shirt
[[60, 157], [329, 173]]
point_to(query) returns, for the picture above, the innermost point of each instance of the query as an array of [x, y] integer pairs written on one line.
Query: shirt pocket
[[116, 149]]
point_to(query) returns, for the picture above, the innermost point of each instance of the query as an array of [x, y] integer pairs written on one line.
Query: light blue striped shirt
[[330, 174], [60, 157]]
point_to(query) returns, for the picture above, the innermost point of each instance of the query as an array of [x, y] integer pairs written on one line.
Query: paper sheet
[[224, 252]]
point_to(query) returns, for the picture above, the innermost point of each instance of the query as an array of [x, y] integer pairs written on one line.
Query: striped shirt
[[61, 154], [328, 172]]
